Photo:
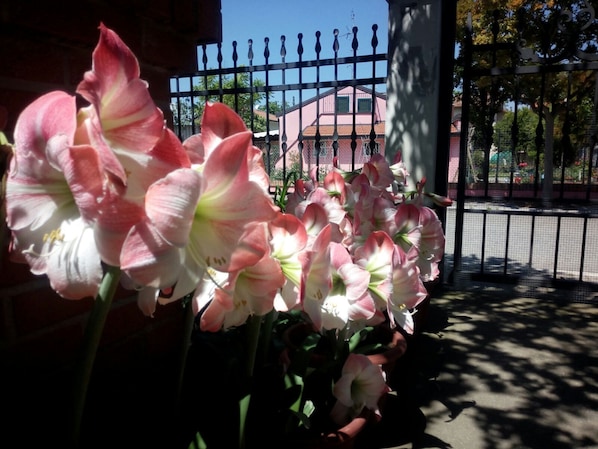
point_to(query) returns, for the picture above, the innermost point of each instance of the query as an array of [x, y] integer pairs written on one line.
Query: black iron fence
[[304, 113], [515, 211], [526, 189]]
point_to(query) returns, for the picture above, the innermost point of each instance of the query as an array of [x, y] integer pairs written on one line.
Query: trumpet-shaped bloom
[[288, 239], [243, 293], [230, 203], [316, 276], [51, 197], [431, 246], [399, 171], [378, 171], [408, 289], [121, 110], [348, 298], [375, 256], [214, 222], [127, 130], [360, 386]]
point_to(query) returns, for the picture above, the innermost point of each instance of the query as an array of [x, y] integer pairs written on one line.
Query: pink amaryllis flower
[[316, 276], [288, 239], [400, 173], [406, 229], [218, 226], [127, 130], [348, 299], [378, 172], [51, 197], [408, 289], [230, 299], [431, 245], [360, 386], [376, 256], [122, 115]]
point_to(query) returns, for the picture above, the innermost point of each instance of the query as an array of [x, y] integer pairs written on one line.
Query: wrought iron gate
[[354, 85], [517, 216]]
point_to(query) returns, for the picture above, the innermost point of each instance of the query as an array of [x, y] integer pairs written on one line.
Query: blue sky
[[258, 19], [242, 20]]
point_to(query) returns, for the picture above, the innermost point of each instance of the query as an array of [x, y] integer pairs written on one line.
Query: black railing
[[527, 185], [256, 85], [510, 243]]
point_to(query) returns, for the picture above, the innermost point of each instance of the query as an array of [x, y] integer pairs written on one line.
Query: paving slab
[[505, 366]]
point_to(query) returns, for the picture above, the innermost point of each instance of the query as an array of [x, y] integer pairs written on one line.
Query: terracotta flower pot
[[343, 438], [397, 346]]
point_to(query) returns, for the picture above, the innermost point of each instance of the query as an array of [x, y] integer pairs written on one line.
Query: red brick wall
[[46, 45]]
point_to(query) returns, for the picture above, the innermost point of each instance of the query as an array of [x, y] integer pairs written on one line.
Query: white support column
[[413, 86]]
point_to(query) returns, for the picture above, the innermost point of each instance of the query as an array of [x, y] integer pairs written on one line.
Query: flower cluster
[[109, 185]]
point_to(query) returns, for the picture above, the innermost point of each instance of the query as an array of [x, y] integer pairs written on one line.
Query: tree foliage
[[549, 32], [188, 111], [525, 133]]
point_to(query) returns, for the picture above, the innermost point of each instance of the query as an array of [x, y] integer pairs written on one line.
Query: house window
[[323, 150], [342, 104], [365, 148], [364, 105]]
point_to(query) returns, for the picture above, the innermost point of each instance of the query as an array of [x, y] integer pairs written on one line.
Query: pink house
[[318, 116], [455, 143]]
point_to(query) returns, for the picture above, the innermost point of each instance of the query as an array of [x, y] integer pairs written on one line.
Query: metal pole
[[466, 96]]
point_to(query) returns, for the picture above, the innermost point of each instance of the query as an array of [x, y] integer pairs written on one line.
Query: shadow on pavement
[[504, 366]]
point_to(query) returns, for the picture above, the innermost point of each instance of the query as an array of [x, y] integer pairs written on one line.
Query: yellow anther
[[53, 236], [240, 304]]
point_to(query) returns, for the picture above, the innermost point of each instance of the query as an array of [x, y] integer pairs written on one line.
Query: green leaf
[[198, 442], [303, 419], [243, 409], [294, 385], [302, 357]]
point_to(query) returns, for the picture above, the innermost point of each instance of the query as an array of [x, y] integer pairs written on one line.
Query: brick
[[54, 21], [23, 58], [38, 309], [124, 319], [159, 11], [123, 353], [12, 273], [44, 352], [168, 50], [167, 332]]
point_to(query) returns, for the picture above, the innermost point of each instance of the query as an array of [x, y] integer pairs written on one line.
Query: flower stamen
[[53, 236]]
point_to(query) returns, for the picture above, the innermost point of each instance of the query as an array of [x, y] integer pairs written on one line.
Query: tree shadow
[[504, 365]]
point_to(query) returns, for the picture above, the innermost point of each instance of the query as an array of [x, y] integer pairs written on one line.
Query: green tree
[[556, 31], [188, 110], [275, 107], [525, 149]]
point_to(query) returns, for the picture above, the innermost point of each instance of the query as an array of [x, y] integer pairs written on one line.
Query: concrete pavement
[[499, 367]]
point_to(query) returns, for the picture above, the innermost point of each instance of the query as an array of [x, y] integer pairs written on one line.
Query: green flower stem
[[266, 333], [254, 323], [91, 341], [184, 351]]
